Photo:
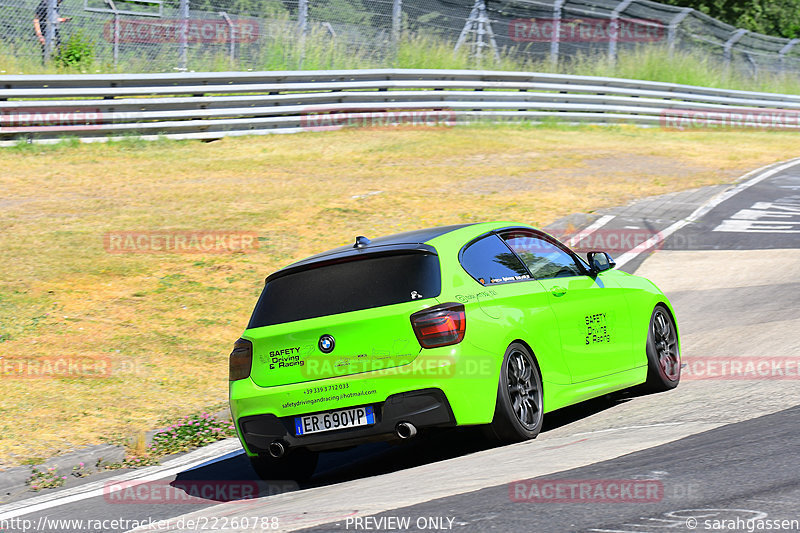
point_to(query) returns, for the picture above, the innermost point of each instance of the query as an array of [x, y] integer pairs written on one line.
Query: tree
[[771, 17]]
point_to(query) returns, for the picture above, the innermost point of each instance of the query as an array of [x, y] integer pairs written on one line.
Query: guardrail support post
[[302, 26], [302, 16], [232, 29], [488, 26], [479, 23], [397, 19], [481, 30], [462, 37], [613, 29], [555, 39], [50, 31], [672, 29], [113, 7], [184, 37], [728, 46], [785, 50]]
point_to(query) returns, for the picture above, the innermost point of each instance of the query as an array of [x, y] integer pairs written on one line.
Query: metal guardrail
[[43, 109]]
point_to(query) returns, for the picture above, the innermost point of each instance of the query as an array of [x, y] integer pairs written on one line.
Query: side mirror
[[600, 261]]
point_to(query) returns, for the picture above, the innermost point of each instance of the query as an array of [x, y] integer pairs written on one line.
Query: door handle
[[558, 291]]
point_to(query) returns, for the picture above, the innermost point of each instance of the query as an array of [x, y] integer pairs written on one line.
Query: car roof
[[408, 241], [415, 236]]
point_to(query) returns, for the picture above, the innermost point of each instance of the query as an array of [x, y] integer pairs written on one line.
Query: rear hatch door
[[341, 316]]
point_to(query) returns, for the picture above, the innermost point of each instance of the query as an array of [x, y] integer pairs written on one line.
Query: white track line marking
[[205, 455], [761, 175], [588, 230]]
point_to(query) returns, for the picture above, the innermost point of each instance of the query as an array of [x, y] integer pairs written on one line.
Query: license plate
[[340, 419]]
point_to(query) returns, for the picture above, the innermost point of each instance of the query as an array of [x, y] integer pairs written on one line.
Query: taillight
[[441, 325], [241, 360]]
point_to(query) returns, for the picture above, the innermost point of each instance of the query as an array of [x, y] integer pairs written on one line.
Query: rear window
[[363, 283]]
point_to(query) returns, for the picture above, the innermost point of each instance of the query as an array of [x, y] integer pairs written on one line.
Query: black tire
[[297, 465], [663, 354], [519, 412]]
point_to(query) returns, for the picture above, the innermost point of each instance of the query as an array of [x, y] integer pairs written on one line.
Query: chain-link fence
[[164, 35]]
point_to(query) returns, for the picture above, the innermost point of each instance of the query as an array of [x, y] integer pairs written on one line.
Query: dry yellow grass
[[167, 321]]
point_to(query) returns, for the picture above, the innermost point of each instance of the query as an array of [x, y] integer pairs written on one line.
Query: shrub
[[76, 53]]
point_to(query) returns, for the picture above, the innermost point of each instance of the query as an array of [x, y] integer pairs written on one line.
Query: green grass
[[283, 50], [655, 63]]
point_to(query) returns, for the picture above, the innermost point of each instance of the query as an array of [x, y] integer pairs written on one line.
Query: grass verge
[[163, 324]]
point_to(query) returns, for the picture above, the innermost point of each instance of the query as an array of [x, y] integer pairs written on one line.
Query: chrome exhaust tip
[[277, 449], [405, 430]]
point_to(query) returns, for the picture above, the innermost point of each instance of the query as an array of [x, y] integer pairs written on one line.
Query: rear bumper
[[423, 408], [453, 385]]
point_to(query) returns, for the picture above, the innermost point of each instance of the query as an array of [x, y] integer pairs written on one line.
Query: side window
[[543, 258], [490, 261]]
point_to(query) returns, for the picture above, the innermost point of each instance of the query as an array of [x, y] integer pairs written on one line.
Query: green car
[[491, 323]]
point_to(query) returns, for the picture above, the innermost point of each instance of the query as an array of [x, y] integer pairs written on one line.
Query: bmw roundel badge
[[326, 344]]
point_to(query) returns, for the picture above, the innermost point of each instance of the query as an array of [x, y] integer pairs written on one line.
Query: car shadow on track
[[381, 458]]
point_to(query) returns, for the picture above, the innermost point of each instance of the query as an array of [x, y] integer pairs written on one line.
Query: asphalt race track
[[746, 470], [719, 453]]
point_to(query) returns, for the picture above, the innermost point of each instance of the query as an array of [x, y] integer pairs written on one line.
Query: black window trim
[[552, 240], [539, 234], [353, 255]]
